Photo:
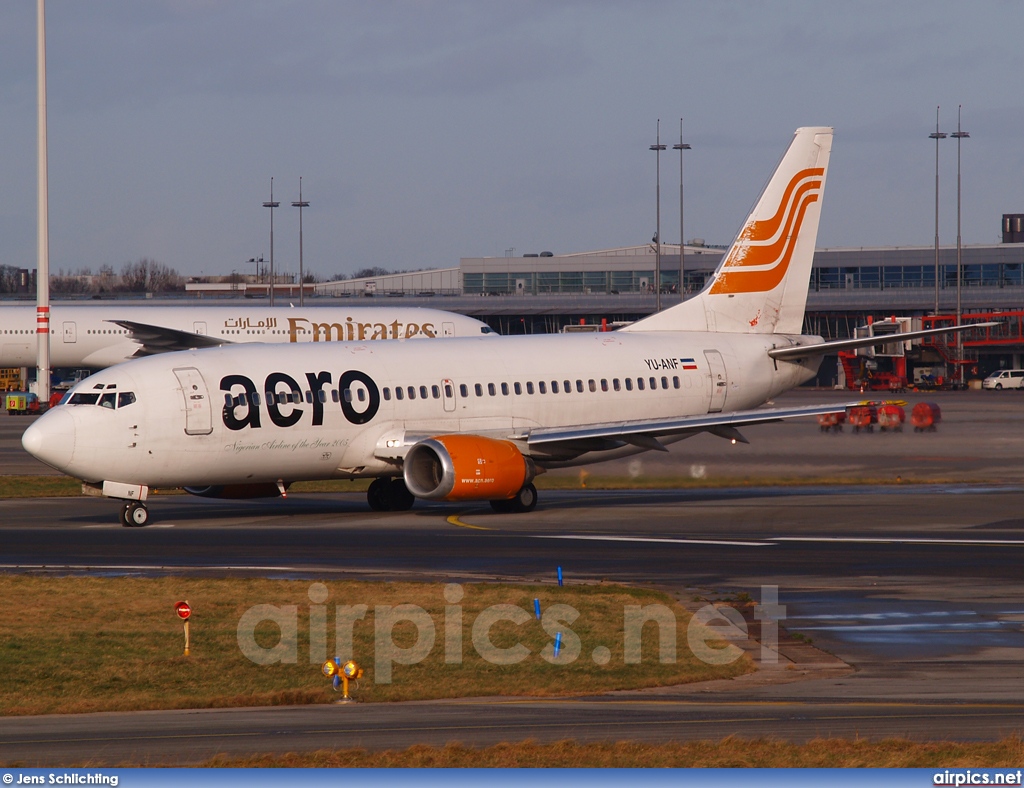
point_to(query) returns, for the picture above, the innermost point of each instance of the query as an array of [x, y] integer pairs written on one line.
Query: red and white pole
[[42, 219]]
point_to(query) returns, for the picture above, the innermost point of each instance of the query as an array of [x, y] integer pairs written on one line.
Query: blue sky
[[429, 131]]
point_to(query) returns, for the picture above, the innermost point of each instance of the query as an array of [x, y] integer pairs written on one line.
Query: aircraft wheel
[[525, 500], [134, 515], [377, 495], [398, 496]]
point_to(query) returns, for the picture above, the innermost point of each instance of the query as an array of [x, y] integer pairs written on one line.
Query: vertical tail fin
[[760, 287]]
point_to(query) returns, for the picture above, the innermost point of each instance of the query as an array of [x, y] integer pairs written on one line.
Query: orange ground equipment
[[925, 416], [891, 417], [863, 417], [831, 421]]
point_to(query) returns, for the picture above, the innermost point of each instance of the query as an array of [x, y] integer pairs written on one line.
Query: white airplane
[[101, 336], [466, 419]]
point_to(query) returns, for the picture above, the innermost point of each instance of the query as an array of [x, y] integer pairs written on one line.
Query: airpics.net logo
[[712, 632]]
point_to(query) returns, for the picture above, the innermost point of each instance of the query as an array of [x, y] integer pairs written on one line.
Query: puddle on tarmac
[[899, 628]]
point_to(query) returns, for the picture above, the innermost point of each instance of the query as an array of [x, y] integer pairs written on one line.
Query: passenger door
[[719, 380], [198, 413]]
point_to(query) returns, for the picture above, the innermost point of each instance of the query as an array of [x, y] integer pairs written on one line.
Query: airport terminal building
[[545, 292]]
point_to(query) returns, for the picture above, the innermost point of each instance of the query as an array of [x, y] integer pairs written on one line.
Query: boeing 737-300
[[96, 337], [468, 419]]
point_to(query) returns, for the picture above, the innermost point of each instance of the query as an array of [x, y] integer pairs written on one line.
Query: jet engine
[[237, 491], [466, 468]]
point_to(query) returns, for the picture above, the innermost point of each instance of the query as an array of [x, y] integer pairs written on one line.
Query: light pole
[[937, 135], [256, 261], [959, 135], [681, 146], [300, 204], [271, 205], [657, 148]]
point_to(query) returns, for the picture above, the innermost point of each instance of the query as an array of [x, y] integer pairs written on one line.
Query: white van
[[1004, 379]]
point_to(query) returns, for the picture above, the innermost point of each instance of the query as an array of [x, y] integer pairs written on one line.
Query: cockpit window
[[486, 330], [108, 399]]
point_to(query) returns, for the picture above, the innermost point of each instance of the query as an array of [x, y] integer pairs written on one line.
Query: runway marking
[[454, 520], [595, 538], [900, 540]]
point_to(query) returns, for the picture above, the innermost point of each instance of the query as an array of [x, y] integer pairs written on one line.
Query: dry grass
[[86, 644], [728, 753]]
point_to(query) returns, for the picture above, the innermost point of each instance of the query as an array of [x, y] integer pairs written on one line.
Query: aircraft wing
[[645, 432], [160, 339], [809, 350]]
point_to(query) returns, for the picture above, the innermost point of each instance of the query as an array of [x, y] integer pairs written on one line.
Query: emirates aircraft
[[99, 336], [472, 419]]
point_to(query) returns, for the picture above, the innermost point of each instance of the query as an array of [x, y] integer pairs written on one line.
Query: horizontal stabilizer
[[796, 352]]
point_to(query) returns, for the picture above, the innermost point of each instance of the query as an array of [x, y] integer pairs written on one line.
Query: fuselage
[[83, 336], [263, 413]]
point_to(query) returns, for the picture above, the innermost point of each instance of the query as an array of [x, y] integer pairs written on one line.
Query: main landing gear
[[524, 501], [134, 514], [389, 495]]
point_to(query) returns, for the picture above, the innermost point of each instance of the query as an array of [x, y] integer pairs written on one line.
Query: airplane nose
[[51, 439]]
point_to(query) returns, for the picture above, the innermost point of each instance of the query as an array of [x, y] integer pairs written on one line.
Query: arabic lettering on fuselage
[[302, 330], [245, 322]]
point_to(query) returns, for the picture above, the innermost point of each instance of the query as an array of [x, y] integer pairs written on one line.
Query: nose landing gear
[[134, 515]]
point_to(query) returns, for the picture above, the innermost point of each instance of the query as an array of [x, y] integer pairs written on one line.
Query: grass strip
[[89, 644], [728, 753]]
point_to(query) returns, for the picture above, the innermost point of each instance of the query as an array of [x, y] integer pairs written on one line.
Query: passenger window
[[125, 398], [554, 386], [629, 384], [675, 381], [348, 395], [518, 388], [448, 390], [491, 390], [654, 384], [591, 385], [604, 384], [567, 387], [664, 383], [639, 384], [321, 395], [334, 396], [255, 398], [615, 384], [542, 387], [411, 391], [309, 397], [579, 386], [435, 392], [504, 389], [386, 393], [529, 387], [463, 390], [229, 401], [478, 390], [399, 394], [361, 395], [423, 392]]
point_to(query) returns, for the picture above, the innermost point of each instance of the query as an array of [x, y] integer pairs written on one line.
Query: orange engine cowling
[[466, 468]]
